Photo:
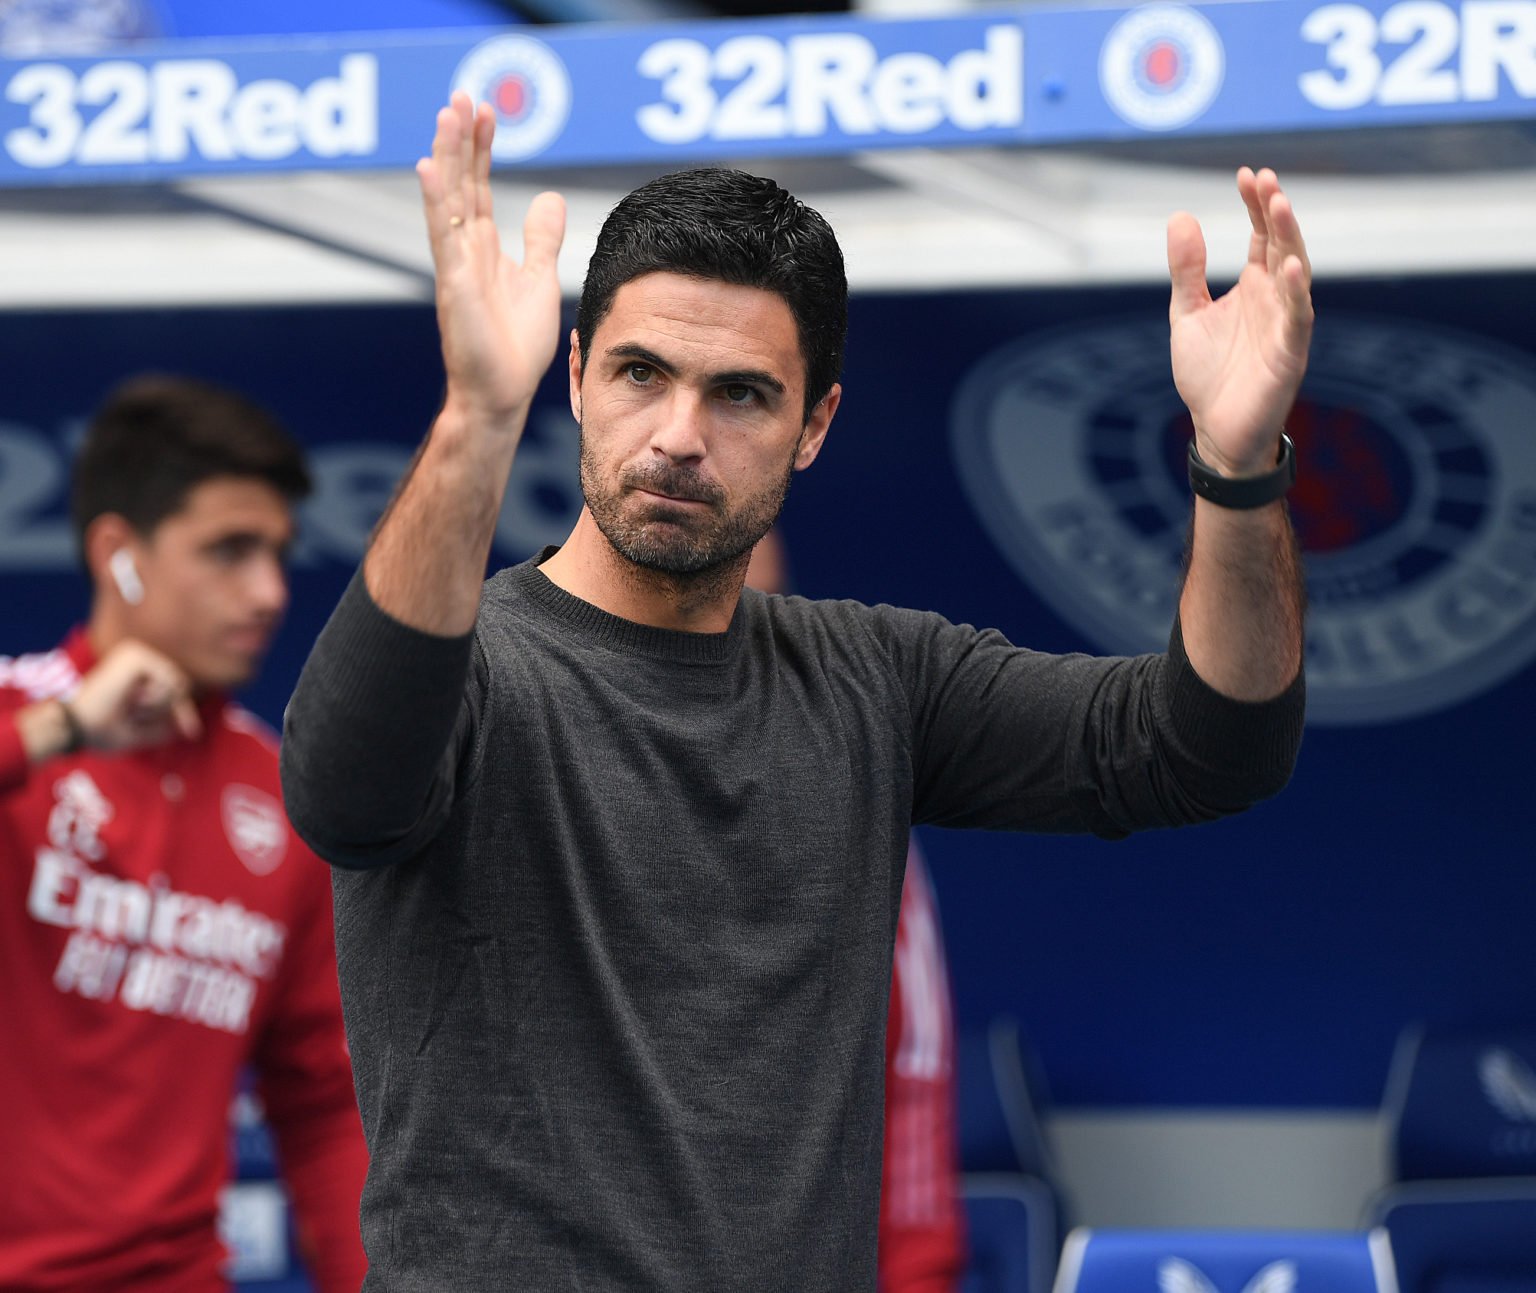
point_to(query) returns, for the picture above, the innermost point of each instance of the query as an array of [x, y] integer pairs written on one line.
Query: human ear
[[816, 426], [574, 364]]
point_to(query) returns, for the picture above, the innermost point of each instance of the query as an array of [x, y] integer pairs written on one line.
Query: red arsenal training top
[[160, 928]]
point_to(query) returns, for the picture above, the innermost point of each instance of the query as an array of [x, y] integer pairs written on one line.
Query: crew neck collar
[[622, 634]]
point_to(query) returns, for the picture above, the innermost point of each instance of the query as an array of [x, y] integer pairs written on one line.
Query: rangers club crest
[[526, 85], [1161, 66], [1415, 503], [255, 826]]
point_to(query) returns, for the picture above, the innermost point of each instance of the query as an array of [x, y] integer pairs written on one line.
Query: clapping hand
[[500, 320], [1238, 360]]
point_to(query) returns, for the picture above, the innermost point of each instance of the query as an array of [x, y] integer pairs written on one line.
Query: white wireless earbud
[[126, 576]]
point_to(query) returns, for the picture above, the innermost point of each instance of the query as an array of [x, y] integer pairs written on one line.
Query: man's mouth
[[248, 640], [687, 500]]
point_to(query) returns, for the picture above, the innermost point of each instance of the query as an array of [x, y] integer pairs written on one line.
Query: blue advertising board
[[1012, 459], [687, 92], [1276, 66]]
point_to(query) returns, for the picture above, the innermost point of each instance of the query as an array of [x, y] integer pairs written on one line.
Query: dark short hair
[[156, 438], [714, 223]]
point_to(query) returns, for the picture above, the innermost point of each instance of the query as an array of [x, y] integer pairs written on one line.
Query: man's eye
[[737, 393], [231, 551], [640, 374]]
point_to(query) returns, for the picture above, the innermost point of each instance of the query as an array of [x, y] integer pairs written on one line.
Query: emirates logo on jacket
[[149, 946]]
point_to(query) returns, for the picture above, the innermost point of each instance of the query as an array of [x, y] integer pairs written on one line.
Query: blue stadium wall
[[1013, 459]]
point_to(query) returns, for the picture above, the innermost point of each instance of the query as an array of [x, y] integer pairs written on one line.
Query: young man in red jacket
[[161, 928]]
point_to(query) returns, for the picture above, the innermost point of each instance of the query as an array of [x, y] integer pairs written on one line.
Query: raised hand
[[1238, 360], [500, 321]]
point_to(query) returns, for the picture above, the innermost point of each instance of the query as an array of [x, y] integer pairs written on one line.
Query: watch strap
[[1244, 492]]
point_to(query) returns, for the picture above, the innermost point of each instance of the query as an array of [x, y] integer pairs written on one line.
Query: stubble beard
[[680, 543]]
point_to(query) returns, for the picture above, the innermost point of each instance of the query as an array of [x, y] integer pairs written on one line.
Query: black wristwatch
[[74, 740], [1247, 491]]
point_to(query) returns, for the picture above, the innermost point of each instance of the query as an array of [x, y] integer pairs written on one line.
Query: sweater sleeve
[[1005, 738], [304, 1078], [374, 732]]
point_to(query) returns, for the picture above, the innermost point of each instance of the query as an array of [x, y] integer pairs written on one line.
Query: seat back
[[1460, 1110], [1000, 1093], [1472, 1236], [1461, 1102], [1011, 1227], [1220, 1261], [1012, 1204]]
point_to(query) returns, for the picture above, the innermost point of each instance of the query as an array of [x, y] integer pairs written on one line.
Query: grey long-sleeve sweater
[[615, 907]]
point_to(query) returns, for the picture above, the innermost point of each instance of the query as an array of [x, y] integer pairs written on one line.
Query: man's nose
[[267, 583], [679, 432]]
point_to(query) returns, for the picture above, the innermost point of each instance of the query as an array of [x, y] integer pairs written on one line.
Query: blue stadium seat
[[1476, 1236], [255, 1219], [1461, 1102], [1461, 1111], [1002, 1095], [1012, 1203], [1011, 1229], [1225, 1261]]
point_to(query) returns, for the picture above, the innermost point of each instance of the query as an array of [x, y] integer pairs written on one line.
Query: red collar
[[77, 646]]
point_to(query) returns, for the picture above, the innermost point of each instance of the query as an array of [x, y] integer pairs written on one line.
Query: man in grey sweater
[[619, 844]]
